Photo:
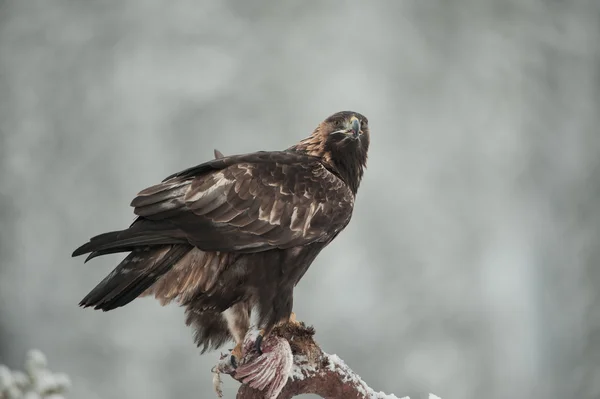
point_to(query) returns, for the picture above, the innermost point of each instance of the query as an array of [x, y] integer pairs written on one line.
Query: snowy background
[[470, 268]]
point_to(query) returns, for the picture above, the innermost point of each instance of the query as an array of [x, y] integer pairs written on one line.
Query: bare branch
[[293, 364]]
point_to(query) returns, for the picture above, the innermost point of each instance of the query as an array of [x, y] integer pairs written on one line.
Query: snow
[[38, 382], [301, 368], [339, 366]]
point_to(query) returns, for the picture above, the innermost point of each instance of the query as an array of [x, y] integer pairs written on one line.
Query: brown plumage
[[234, 235]]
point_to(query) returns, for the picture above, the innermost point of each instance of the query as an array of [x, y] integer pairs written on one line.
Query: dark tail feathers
[[142, 233], [134, 275]]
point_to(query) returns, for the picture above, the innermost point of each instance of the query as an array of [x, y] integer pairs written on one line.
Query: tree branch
[[293, 364]]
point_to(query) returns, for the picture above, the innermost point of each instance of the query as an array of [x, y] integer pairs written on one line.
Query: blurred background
[[470, 268]]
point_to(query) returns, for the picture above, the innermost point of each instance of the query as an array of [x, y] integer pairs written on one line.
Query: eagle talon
[[257, 344]]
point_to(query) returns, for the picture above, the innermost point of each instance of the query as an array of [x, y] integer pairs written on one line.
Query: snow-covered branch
[[36, 382], [292, 364]]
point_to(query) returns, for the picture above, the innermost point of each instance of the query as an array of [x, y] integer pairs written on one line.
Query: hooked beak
[[355, 126]]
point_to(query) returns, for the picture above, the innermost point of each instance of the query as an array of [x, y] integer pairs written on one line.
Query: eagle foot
[[236, 355], [262, 333]]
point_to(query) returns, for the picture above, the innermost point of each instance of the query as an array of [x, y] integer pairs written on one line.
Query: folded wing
[[252, 203]]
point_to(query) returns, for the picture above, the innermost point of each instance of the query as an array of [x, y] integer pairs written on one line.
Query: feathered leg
[[238, 323], [263, 332], [279, 312]]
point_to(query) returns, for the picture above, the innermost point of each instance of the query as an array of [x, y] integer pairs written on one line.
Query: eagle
[[229, 239]]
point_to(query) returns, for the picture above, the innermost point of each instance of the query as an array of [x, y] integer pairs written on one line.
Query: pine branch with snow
[[292, 364], [35, 383]]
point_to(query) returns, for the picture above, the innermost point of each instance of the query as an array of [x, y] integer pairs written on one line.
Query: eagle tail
[[138, 235], [134, 275]]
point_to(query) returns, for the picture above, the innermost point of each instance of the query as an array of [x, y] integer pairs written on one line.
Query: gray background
[[470, 268]]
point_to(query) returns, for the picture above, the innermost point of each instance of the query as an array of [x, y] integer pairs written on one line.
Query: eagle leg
[[238, 322], [237, 351], [263, 333]]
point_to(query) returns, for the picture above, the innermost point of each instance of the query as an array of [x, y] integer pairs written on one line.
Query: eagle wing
[[249, 203], [224, 207]]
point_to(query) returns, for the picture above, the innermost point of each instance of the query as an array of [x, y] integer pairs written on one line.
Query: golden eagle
[[234, 235]]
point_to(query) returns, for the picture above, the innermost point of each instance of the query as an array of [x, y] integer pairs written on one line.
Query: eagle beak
[[355, 126]]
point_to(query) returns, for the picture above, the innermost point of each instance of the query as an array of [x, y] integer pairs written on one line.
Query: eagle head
[[342, 142]]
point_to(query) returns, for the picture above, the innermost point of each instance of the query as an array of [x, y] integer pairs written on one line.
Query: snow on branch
[[37, 381], [292, 364]]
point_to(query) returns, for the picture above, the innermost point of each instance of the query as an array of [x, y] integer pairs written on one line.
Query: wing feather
[[252, 203]]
